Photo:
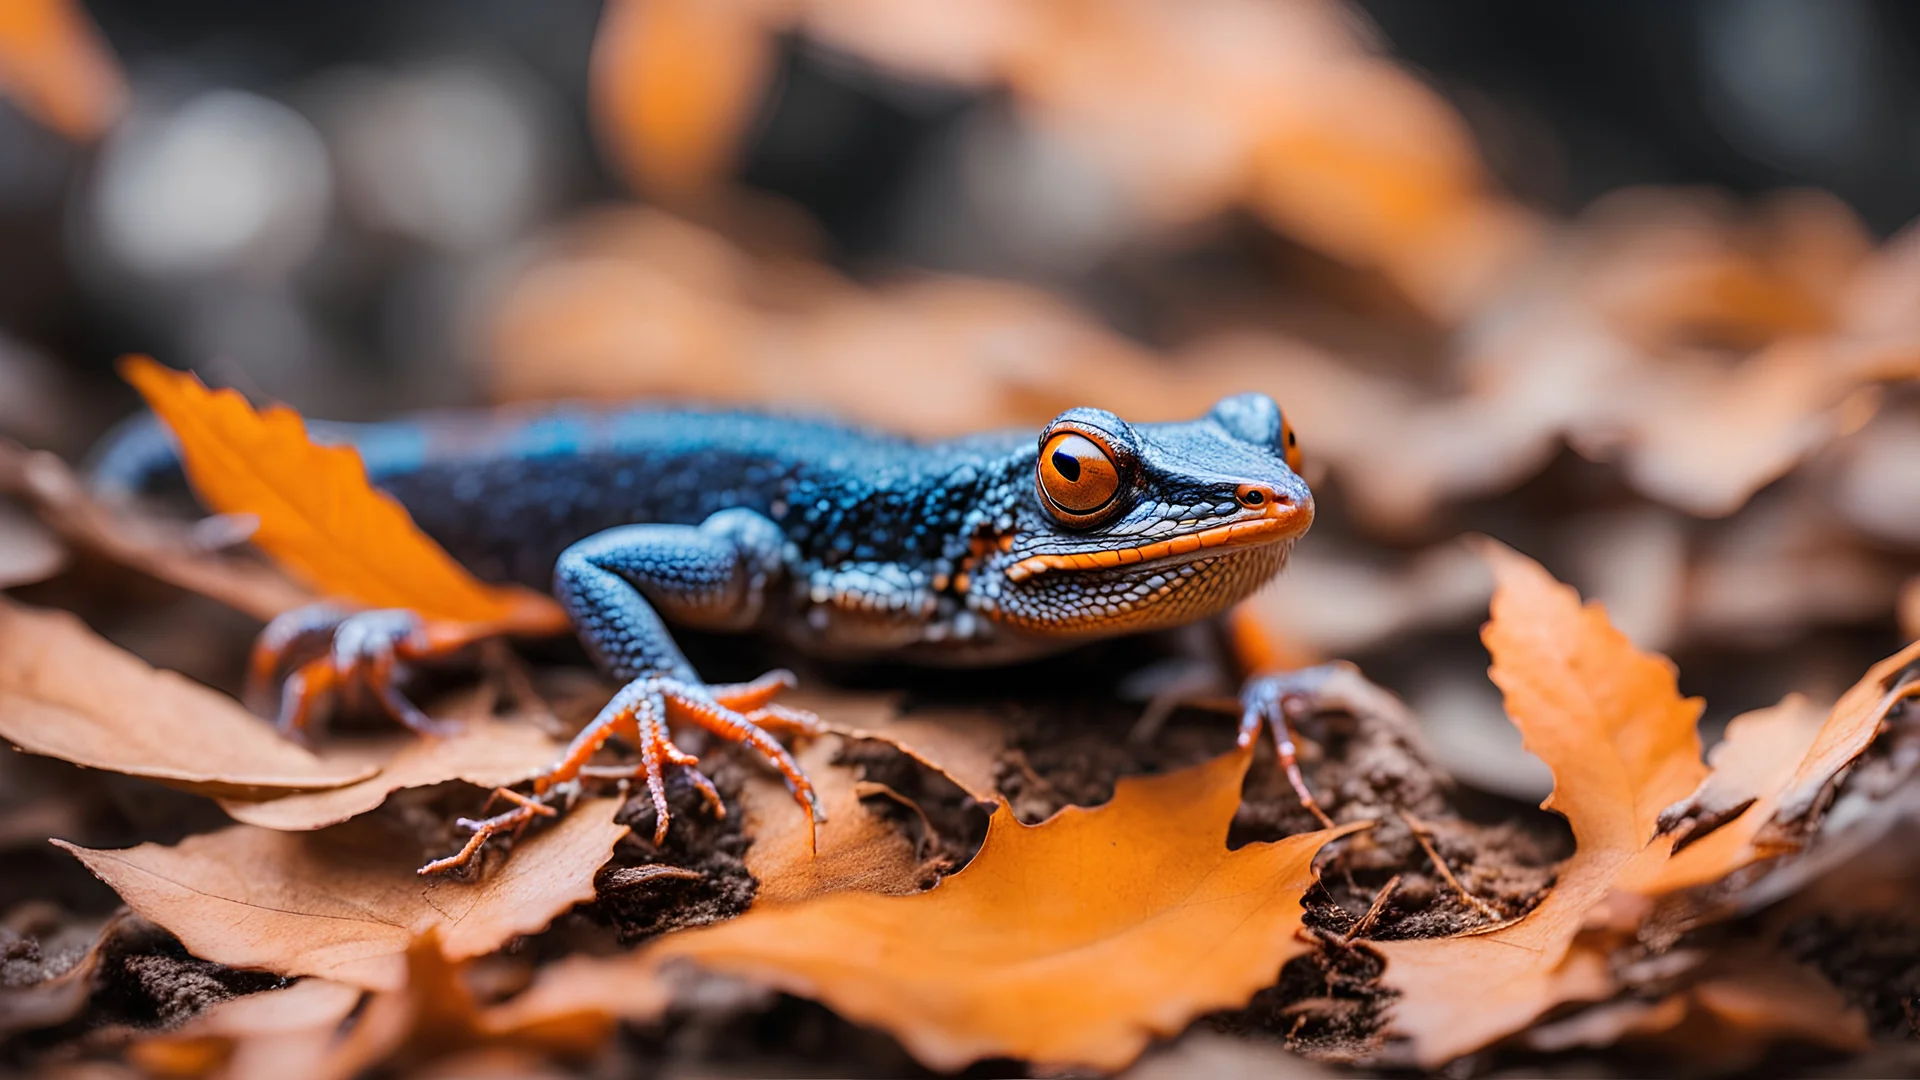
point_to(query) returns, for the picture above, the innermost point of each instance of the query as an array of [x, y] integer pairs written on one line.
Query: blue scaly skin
[[846, 543]]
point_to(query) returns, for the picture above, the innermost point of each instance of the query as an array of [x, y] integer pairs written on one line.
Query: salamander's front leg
[[614, 586]]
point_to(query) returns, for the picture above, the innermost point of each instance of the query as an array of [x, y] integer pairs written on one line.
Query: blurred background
[[1623, 285]]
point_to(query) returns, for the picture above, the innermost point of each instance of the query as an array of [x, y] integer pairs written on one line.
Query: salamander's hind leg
[[337, 648], [615, 585]]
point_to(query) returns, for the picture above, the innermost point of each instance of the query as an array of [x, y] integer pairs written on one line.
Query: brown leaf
[[157, 548], [56, 68], [28, 552], [1850, 728], [485, 752], [1621, 741], [1074, 941], [344, 903], [284, 1033], [961, 745], [1714, 827], [318, 515], [856, 850], [68, 694], [304, 1031]]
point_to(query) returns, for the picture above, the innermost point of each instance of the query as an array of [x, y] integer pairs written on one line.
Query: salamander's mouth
[[1282, 521]]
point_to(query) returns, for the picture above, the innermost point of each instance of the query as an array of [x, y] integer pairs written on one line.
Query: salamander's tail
[[137, 457], [140, 457]]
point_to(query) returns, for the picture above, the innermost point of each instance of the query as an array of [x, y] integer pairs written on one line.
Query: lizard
[[846, 542]]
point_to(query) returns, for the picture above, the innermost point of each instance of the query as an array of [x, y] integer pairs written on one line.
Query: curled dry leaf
[[1621, 741], [344, 903], [67, 693], [1850, 728], [1714, 828], [318, 515], [159, 548], [56, 68], [1074, 941], [485, 752]]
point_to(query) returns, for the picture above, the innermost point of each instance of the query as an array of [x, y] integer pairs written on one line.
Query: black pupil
[[1254, 498], [1067, 465], [1291, 439]]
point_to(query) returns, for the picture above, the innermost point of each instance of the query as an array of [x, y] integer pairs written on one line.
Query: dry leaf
[[1724, 1021], [435, 1015], [344, 903], [28, 552], [56, 68], [962, 745], [1714, 827], [318, 516], [856, 850], [284, 1033], [485, 752], [1074, 941], [1850, 728], [302, 1032], [1621, 741], [159, 548], [66, 693], [675, 83]]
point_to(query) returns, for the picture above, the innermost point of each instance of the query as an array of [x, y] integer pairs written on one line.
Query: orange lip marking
[[1275, 526]]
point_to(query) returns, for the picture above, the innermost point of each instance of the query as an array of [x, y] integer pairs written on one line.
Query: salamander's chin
[[1281, 522]]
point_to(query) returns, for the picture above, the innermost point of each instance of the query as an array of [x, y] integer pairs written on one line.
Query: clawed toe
[[638, 715], [365, 649], [1276, 702]]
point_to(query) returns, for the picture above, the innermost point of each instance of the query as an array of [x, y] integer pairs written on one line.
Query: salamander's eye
[[1291, 444], [1078, 477]]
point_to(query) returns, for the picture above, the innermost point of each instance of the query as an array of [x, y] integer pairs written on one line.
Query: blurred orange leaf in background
[[318, 515], [674, 83], [1622, 743], [56, 68], [1075, 941]]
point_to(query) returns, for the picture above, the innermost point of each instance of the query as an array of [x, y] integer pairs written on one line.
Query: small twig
[[1373, 910], [1419, 831]]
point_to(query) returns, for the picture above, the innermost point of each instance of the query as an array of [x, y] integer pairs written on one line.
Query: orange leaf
[[67, 693], [1072, 942], [1609, 721], [344, 903], [319, 517], [674, 86], [55, 67]]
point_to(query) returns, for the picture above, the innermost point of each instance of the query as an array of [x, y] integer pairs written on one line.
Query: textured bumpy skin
[[848, 543]]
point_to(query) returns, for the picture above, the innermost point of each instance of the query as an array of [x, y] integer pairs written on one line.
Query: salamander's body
[[848, 543]]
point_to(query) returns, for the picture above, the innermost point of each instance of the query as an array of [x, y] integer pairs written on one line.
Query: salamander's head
[[1131, 527]]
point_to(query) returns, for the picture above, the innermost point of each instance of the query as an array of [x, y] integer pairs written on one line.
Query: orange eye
[[1292, 443], [1077, 475]]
